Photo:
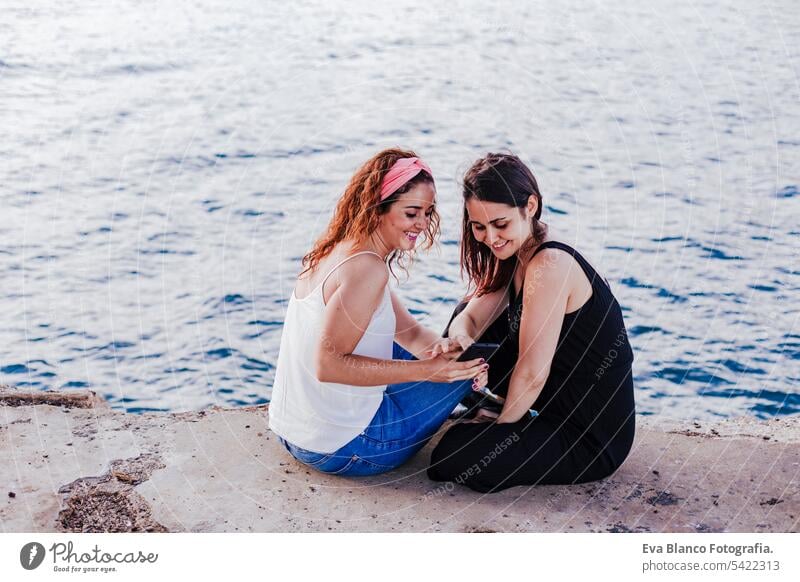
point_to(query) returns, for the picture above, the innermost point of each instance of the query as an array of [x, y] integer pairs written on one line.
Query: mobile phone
[[475, 351]]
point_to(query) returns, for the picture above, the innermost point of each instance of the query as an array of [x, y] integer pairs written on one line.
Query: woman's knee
[[453, 455], [448, 466], [400, 353], [443, 464]]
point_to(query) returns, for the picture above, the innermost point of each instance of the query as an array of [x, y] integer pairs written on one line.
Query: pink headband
[[403, 170]]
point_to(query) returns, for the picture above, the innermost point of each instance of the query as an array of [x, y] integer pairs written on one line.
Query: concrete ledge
[[71, 399], [70, 463]]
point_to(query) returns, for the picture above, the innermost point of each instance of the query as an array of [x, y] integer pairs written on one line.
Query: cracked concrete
[[109, 503], [69, 467]]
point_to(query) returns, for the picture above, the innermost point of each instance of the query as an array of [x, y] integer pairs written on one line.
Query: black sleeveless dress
[[586, 422]]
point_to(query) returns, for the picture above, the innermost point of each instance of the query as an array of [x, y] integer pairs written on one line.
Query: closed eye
[[477, 226], [427, 214]]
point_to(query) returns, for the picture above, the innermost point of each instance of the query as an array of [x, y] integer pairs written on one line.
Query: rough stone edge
[[782, 429], [10, 396], [776, 430]]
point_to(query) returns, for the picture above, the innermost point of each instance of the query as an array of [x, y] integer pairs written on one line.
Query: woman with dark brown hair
[[568, 415], [349, 397]]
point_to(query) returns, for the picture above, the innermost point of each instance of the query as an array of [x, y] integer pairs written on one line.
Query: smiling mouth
[[412, 236], [497, 247]]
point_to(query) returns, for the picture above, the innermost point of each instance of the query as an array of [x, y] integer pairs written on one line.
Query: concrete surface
[[70, 463]]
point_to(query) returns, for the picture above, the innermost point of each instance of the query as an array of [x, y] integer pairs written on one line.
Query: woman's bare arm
[[361, 283], [546, 291], [477, 316], [411, 334]]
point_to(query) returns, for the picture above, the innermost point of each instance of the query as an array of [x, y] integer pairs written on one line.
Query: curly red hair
[[358, 213]]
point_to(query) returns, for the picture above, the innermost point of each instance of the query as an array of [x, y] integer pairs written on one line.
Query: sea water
[[164, 166]]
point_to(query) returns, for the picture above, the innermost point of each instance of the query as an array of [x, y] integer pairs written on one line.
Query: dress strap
[[343, 261]]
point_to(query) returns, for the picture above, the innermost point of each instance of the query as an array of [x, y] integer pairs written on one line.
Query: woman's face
[[501, 227], [408, 217]]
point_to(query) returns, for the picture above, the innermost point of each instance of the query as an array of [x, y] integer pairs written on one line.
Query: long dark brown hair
[[358, 213], [505, 179]]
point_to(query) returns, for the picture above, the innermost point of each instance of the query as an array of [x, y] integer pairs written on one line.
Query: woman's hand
[[441, 369], [481, 380], [452, 347], [483, 414]]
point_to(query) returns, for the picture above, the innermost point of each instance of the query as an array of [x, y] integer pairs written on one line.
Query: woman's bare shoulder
[[362, 272], [558, 273], [549, 263], [368, 264]]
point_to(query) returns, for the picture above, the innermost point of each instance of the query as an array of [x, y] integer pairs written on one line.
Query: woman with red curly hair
[[358, 389]]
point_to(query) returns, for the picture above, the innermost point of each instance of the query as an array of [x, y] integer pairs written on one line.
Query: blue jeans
[[408, 417]]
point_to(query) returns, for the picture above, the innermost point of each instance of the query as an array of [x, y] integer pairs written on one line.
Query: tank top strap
[[588, 270], [343, 261]]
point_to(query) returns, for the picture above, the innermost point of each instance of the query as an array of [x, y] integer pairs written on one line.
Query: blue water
[[165, 165]]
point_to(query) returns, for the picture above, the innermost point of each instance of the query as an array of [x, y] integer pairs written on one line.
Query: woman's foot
[[483, 415], [459, 412]]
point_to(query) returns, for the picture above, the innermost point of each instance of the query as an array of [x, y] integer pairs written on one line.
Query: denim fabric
[[408, 417]]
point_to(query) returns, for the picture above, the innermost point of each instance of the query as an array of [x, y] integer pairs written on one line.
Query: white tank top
[[324, 416]]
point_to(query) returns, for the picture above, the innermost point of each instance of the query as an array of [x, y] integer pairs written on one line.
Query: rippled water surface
[[163, 167]]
